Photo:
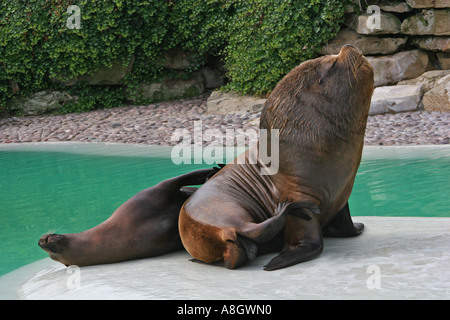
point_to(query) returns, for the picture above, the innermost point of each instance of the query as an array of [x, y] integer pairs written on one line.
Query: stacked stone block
[[403, 40]]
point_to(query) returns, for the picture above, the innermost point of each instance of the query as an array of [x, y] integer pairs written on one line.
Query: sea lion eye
[[334, 63]]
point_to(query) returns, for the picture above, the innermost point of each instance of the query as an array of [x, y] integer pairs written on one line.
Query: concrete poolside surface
[[395, 258]]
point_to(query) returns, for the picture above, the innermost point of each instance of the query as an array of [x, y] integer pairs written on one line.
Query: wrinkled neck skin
[[254, 191]]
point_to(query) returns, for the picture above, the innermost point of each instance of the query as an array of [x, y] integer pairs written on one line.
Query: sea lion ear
[[228, 234]]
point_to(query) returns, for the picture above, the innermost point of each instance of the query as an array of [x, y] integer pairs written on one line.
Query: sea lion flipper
[[196, 177], [342, 225], [292, 256], [303, 239], [266, 230], [219, 167]]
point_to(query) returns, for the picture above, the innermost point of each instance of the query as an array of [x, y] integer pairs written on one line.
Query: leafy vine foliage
[[258, 40]]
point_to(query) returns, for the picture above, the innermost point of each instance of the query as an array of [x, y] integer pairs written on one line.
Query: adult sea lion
[[146, 225], [320, 109]]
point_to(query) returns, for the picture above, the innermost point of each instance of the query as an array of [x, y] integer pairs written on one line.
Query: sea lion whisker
[[349, 78]]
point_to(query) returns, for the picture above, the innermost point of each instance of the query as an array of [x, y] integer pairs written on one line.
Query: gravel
[[156, 124]]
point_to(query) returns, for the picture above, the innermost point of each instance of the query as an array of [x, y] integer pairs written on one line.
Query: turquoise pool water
[[66, 189]]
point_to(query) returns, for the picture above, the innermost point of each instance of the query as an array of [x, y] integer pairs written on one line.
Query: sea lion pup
[[320, 109], [146, 225]]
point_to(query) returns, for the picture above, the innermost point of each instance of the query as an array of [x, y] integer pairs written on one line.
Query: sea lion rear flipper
[[342, 225], [215, 170], [303, 239], [196, 177]]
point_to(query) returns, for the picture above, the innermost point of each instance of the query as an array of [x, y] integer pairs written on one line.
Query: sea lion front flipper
[[292, 256], [268, 229], [342, 225], [302, 237]]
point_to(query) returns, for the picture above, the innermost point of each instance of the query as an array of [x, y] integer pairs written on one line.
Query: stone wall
[[182, 84], [408, 44], [185, 84], [409, 49]]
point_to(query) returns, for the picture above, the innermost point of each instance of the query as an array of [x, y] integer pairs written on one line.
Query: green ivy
[[93, 97], [268, 38], [259, 41]]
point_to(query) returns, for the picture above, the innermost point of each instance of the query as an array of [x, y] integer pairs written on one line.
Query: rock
[[367, 44], [170, 89], [435, 22], [438, 98], [40, 102], [432, 43], [150, 91], [113, 75], [231, 102], [212, 78], [389, 24], [254, 123], [176, 59], [395, 6], [428, 3], [444, 60], [427, 80], [403, 65], [182, 88], [396, 99]]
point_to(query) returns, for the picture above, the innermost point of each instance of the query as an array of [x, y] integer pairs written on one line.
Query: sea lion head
[[212, 244], [336, 87], [345, 79]]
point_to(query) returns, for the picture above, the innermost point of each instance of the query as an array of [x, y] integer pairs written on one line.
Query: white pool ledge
[[395, 258]]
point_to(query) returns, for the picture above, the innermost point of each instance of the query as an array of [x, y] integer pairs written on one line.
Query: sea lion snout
[[351, 56], [359, 75], [350, 47]]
